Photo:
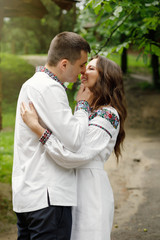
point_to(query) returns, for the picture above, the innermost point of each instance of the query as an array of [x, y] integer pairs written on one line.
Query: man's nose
[[83, 69]]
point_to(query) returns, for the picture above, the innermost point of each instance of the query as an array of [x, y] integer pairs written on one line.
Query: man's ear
[[63, 64]]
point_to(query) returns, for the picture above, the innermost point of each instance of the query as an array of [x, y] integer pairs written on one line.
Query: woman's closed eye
[[91, 68]]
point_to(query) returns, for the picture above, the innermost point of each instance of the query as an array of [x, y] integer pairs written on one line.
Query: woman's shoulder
[[108, 113], [110, 109]]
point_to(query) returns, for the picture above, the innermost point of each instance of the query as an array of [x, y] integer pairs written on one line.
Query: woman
[[93, 216]]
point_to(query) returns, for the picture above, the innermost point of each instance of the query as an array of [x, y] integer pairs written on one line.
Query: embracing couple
[[60, 188]]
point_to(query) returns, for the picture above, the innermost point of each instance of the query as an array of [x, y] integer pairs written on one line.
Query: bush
[[15, 71]]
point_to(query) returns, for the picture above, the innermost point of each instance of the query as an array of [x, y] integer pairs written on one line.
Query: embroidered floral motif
[[43, 69], [45, 136], [108, 115], [83, 105], [101, 128]]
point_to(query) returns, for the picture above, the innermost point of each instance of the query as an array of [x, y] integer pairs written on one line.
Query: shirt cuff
[[82, 104], [47, 133]]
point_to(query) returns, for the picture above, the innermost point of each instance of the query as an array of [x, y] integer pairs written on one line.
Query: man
[[44, 192]]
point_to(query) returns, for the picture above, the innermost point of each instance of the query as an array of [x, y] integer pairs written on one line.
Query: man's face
[[73, 70]]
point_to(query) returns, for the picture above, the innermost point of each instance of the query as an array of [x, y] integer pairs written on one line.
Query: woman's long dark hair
[[109, 90]]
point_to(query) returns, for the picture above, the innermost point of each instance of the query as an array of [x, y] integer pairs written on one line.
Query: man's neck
[[55, 71]]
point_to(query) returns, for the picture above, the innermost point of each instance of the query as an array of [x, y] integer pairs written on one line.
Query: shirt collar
[[54, 77]]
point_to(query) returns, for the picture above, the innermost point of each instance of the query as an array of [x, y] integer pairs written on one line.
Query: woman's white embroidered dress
[[93, 215]]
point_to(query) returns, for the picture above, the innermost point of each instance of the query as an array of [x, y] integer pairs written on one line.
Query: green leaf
[[156, 50], [142, 43], [145, 58], [90, 2], [119, 49], [97, 5], [147, 47], [108, 8], [97, 9], [151, 22], [99, 17], [111, 50], [139, 55], [69, 86]]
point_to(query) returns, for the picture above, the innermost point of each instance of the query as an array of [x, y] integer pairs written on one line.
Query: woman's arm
[[97, 139], [30, 117]]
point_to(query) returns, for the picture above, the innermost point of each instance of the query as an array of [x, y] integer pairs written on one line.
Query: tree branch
[[114, 30]]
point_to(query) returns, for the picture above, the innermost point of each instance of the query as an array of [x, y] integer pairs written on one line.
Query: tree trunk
[[124, 60], [155, 70], [124, 65], [154, 62], [1, 24]]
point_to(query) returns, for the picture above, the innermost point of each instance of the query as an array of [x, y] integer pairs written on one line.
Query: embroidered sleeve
[[82, 104], [108, 115], [45, 136]]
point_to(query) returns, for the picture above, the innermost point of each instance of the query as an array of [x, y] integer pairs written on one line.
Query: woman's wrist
[[37, 129], [82, 104]]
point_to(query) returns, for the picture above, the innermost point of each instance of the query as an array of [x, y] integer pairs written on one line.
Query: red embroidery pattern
[[108, 115], [45, 136], [101, 128]]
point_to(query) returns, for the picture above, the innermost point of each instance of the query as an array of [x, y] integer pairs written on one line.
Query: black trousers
[[51, 223]]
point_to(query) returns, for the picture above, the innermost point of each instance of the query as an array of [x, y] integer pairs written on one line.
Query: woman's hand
[[84, 94], [29, 114], [30, 117]]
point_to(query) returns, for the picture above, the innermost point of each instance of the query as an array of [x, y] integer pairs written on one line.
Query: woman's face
[[89, 77]]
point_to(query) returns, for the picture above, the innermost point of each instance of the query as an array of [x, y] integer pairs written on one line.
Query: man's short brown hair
[[66, 45]]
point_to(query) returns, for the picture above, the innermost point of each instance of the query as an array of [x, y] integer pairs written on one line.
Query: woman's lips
[[83, 80]]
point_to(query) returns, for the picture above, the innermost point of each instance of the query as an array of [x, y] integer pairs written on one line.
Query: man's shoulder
[[42, 82], [38, 79]]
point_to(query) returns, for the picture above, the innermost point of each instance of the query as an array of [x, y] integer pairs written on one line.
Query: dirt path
[[144, 224], [135, 180]]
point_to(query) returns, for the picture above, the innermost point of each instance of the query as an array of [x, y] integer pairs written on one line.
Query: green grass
[[6, 155], [6, 140], [15, 71], [7, 216]]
